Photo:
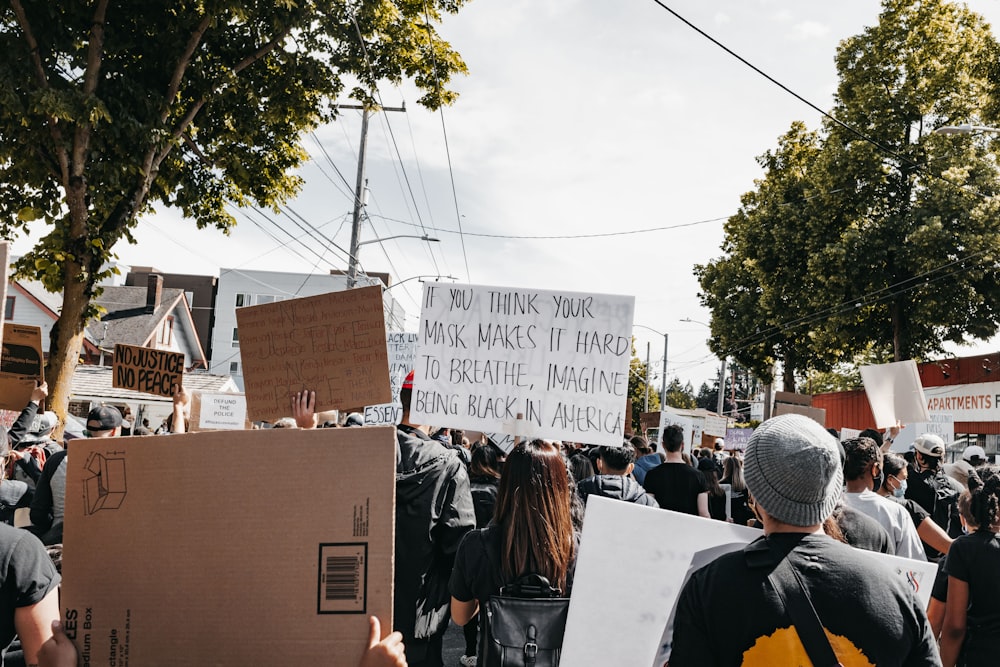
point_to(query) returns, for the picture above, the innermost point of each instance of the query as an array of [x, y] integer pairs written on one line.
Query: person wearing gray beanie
[[793, 470]]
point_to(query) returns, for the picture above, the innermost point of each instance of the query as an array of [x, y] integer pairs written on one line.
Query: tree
[[681, 396], [107, 109], [639, 391], [918, 230]]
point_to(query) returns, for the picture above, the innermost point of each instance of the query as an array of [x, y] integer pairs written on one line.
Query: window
[[236, 337], [234, 368], [8, 308], [268, 298], [243, 300], [167, 331]]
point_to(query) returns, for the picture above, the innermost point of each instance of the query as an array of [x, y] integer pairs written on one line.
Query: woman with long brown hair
[[531, 533]]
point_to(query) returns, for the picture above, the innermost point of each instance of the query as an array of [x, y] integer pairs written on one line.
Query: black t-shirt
[[28, 575], [676, 486], [871, 616], [975, 559], [863, 532]]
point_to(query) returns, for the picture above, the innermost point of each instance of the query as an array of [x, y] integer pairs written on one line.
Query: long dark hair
[[984, 491], [484, 462], [533, 513], [732, 474]]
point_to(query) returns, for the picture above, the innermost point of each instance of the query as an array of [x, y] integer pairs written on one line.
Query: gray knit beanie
[[793, 469]]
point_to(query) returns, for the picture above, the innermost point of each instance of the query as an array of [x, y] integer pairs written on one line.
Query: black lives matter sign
[[147, 370]]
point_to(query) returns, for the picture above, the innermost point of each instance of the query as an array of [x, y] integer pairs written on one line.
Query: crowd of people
[[473, 518]]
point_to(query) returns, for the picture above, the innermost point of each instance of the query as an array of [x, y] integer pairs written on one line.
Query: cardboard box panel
[[219, 548], [333, 344], [147, 370], [21, 365]]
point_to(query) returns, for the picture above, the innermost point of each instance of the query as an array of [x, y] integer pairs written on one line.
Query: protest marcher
[[580, 466], [614, 464], [532, 532], [29, 588], [433, 512], [863, 471], [646, 457], [970, 635], [894, 488], [932, 489], [973, 457], [675, 484], [867, 614], [716, 494], [732, 474]]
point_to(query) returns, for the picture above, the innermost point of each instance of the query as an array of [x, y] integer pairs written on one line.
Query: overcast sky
[[578, 117]]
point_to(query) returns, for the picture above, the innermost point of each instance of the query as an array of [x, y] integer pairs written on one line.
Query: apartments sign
[[978, 402]]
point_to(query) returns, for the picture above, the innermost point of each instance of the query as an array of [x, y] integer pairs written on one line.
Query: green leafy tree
[[681, 396], [109, 108], [915, 262]]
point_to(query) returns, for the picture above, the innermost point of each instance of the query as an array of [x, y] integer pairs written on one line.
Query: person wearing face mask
[[863, 473], [936, 541]]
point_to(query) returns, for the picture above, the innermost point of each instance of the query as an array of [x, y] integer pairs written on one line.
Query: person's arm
[[42, 502], [20, 427], [891, 433], [180, 399], [34, 625], [304, 409], [933, 535], [463, 612], [388, 652], [935, 615], [58, 650], [703, 505], [953, 629]]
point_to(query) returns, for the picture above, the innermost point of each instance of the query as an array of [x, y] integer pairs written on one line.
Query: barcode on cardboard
[[343, 578]]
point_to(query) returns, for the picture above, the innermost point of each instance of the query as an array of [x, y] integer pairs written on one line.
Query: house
[[200, 293]]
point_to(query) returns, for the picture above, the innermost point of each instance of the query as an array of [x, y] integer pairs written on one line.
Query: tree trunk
[[67, 340], [896, 315], [788, 377]]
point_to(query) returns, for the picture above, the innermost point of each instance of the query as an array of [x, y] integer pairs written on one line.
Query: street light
[[965, 128], [352, 261], [420, 278], [722, 372]]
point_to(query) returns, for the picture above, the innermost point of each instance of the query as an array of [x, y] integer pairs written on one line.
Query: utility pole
[[359, 192], [720, 399], [663, 381], [646, 409]]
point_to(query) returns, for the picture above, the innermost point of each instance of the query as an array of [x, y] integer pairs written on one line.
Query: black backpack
[[524, 625], [945, 513]]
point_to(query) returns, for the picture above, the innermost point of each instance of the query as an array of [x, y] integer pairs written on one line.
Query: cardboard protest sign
[[21, 365], [895, 393], [401, 349], [609, 624], [558, 359], [159, 575], [668, 418], [218, 412], [147, 370], [333, 344]]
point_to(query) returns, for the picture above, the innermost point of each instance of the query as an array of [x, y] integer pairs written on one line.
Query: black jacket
[[484, 498], [617, 487], [433, 512]]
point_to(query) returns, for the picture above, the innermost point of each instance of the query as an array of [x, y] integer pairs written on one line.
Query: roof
[[127, 320], [94, 382], [35, 289]]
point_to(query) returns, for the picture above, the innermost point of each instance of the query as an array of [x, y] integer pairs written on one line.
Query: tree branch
[[95, 50], [182, 64], [43, 83]]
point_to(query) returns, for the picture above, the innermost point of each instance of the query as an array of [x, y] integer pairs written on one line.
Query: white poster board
[[668, 418], [402, 350], [611, 624], [716, 426], [940, 425], [697, 429], [895, 393], [559, 359], [222, 412], [849, 434]]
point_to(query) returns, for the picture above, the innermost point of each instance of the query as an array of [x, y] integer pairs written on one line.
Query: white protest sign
[[716, 426], [558, 359], [697, 428], [849, 434], [895, 393], [402, 349], [611, 624], [940, 425], [222, 412], [668, 418]]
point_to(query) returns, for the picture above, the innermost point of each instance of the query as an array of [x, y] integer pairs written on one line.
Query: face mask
[[901, 491], [879, 480]]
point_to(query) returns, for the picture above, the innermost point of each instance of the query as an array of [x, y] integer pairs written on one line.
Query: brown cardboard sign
[[333, 344], [169, 562], [147, 370], [21, 365]]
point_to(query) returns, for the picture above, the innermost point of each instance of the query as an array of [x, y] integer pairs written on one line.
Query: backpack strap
[[787, 584]]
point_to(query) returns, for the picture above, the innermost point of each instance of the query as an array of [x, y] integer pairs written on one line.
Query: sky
[[577, 118]]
